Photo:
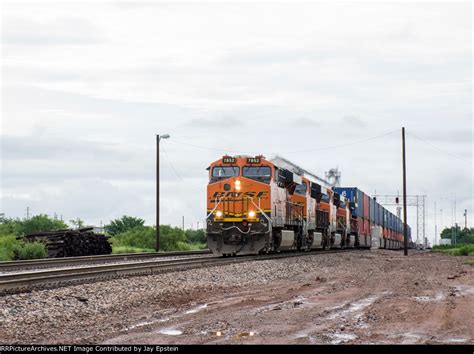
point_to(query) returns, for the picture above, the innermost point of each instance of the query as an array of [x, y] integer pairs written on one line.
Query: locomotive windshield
[[301, 188], [258, 173], [223, 172], [325, 198]]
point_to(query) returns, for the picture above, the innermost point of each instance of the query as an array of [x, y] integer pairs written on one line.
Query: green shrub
[[11, 249], [125, 223], [466, 250], [8, 245], [40, 223], [138, 237], [31, 250], [195, 236]]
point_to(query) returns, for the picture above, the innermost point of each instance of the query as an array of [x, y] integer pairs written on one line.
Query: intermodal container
[[372, 210], [381, 215], [354, 195], [366, 206], [376, 213]]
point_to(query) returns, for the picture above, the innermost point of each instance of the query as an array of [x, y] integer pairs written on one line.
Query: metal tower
[[334, 177], [412, 200]]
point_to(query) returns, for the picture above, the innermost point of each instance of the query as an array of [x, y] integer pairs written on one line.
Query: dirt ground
[[425, 298], [355, 297]]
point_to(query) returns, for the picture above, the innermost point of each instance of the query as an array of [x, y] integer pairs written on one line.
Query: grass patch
[[182, 246], [130, 249], [443, 247], [459, 250], [143, 238], [197, 246], [470, 262]]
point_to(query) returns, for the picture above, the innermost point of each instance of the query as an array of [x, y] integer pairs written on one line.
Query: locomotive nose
[[236, 202]]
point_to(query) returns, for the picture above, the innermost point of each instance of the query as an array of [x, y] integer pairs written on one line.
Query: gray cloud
[[354, 121], [61, 31], [37, 147], [221, 122], [461, 136], [303, 121]]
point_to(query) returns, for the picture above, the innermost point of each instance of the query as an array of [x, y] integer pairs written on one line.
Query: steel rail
[[21, 282], [83, 260]]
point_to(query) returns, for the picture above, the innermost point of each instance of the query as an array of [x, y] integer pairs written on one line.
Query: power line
[[441, 150], [211, 148], [343, 145], [290, 152], [171, 164]]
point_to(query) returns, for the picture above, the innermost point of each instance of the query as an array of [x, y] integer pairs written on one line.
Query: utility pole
[[455, 221], [405, 229], [465, 219], [436, 228], [198, 225], [455, 232], [183, 223], [27, 213], [441, 223], [452, 221], [158, 138]]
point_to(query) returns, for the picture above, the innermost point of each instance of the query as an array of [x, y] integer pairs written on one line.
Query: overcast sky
[[86, 86]]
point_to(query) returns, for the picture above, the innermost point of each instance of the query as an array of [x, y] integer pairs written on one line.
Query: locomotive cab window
[[325, 198], [258, 173], [301, 188], [342, 205], [223, 172]]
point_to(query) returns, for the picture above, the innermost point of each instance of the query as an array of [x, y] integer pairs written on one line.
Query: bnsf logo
[[220, 195]]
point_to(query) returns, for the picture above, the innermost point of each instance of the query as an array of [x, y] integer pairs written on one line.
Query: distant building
[[445, 241], [99, 229]]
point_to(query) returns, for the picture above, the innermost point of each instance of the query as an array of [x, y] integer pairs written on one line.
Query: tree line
[[461, 235], [128, 234]]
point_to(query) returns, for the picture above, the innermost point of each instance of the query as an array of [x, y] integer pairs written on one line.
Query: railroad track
[[27, 281], [85, 260]]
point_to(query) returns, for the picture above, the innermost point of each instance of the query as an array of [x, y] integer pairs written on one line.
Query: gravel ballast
[[257, 302]]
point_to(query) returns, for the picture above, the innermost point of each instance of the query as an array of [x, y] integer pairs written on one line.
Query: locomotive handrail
[[212, 211], [236, 227], [265, 215], [261, 211]]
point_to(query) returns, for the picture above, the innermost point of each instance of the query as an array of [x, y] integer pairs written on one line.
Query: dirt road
[[357, 297]]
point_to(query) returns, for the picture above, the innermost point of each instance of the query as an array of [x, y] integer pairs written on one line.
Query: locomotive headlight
[[237, 183], [237, 187], [218, 213], [251, 214]]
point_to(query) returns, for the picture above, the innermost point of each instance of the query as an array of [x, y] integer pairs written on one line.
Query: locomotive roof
[[284, 163]]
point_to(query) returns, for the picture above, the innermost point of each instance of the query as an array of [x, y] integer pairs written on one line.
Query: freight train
[[255, 205]]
